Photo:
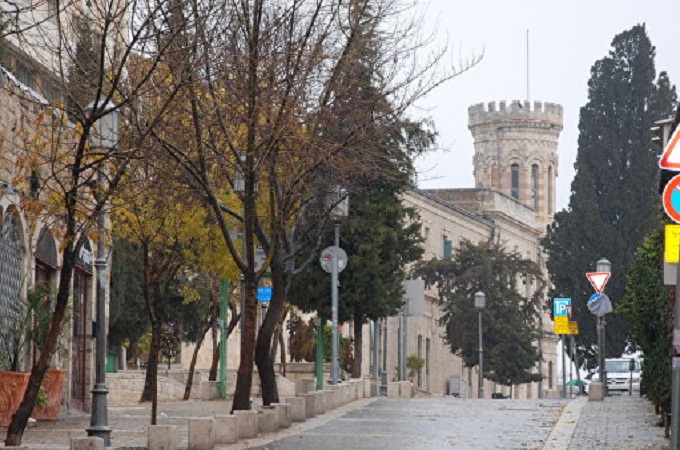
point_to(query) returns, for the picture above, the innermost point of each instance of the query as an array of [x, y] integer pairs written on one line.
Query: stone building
[[31, 91], [515, 166]]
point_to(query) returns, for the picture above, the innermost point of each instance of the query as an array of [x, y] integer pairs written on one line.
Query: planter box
[[53, 383], [12, 388], [14, 384]]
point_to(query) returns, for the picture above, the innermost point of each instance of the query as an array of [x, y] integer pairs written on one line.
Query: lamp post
[[339, 212], [602, 265], [480, 304], [104, 136]]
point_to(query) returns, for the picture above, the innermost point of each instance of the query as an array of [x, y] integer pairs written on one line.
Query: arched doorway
[[45, 262], [45, 271], [12, 252], [82, 328]]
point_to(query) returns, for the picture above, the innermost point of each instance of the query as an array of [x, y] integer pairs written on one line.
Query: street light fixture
[[104, 135], [602, 265], [480, 304]]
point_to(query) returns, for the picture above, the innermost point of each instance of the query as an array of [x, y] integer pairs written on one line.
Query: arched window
[[514, 181], [534, 185], [550, 188], [11, 276]]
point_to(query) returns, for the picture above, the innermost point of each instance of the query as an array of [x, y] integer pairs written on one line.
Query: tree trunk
[[212, 376], [263, 354], [283, 354], [16, 428], [150, 392], [192, 365], [244, 377], [358, 347]]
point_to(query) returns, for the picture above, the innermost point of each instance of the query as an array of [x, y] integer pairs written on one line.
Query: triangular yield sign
[[598, 280], [670, 158]]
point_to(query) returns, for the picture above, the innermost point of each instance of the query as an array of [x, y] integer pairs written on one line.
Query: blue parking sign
[[264, 294], [561, 307]]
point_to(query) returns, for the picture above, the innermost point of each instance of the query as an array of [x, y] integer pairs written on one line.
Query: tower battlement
[[516, 110]]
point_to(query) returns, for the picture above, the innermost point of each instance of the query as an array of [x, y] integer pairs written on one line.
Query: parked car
[[621, 372]]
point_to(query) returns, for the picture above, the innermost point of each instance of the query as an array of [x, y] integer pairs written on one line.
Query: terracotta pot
[[12, 388], [53, 383]]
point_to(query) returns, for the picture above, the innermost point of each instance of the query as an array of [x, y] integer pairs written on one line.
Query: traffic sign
[[671, 251], [599, 304], [264, 294], [561, 307], [326, 258], [564, 326], [598, 280], [671, 198], [670, 158]]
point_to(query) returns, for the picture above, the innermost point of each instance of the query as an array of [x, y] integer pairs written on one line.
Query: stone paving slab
[[439, 423], [619, 422]]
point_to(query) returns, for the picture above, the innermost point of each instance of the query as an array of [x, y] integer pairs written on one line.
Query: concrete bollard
[[162, 437], [596, 391], [405, 389], [201, 433], [88, 443], [372, 386], [226, 430], [284, 414], [298, 409], [268, 419], [357, 389], [330, 398], [304, 386], [320, 403], [310, 404], [393, 389], [247, 424]]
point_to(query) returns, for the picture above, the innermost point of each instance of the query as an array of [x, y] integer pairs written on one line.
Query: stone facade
[[516, 152], [515, 167]]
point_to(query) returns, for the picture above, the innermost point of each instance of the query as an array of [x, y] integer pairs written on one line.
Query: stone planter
[[14, 384], [12, 388], [53, 383]]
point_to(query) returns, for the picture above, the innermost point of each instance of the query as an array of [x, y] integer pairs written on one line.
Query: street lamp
[[602, 265], [104, 135], [480, 304], [339, 211]]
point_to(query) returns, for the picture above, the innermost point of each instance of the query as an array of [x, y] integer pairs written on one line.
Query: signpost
[[670, 160], [333, 259]]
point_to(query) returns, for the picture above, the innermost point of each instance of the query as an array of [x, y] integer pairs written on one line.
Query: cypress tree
[[614, 199]]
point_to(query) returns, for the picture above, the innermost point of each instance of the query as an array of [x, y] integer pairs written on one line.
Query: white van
[[620, 375]]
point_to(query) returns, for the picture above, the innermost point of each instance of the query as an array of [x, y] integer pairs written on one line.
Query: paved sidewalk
[[618, 422]]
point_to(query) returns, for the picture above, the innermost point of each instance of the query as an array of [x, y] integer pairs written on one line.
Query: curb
[[560, 437]]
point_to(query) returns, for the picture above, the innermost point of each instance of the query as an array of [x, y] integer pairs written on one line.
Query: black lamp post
[[602, 265], [480, 304], [104, 135]]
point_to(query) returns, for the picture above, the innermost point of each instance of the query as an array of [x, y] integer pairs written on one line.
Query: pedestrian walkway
[[618, 422]]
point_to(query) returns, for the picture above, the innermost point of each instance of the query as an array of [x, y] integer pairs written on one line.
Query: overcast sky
[[565, 40]]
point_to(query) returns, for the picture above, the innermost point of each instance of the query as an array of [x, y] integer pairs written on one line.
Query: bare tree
[[81, 51], [266, 144]]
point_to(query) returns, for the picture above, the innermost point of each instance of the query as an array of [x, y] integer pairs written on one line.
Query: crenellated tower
[[516, 152]]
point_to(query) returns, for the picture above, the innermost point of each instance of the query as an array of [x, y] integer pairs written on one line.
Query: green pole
[[319, 354], [224, 288]]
